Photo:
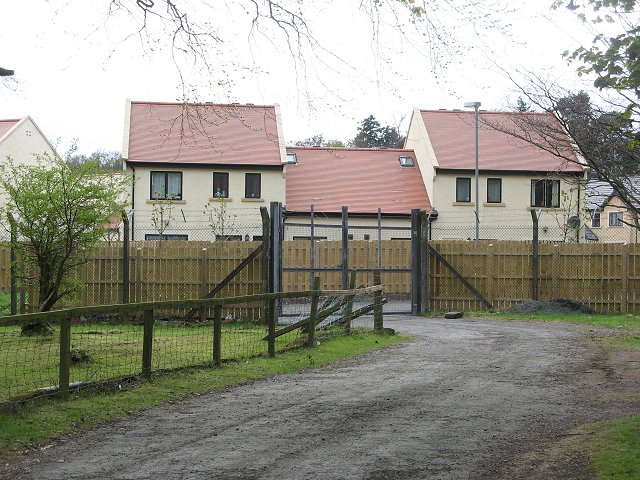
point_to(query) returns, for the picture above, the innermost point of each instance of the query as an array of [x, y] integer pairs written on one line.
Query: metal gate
[[332, 246]]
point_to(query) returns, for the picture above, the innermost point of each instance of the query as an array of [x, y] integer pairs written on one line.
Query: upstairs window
[[406, 161], [292, 158], [595, 219], [615, 219], [494, 190], [166, 185], [545, 193], [220, 185], [463, 190], [252, 185]]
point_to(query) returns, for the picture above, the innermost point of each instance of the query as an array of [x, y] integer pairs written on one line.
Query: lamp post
[[476, 105]]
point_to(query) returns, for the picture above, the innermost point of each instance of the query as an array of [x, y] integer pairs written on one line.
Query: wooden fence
[[158, 271], [604, 276]]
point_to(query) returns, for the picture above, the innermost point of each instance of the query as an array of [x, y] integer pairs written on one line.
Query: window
[[252, 185], [463, 189], [615, 219], [406, 161], [494, 190], [220, 185], [292, 158], [545, 193], [228, 238], [304, 237], [367, 236], [595, 219], [155, 236], [166, 185]]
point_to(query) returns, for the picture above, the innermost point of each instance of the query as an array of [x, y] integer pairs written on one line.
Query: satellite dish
[[573, 222]]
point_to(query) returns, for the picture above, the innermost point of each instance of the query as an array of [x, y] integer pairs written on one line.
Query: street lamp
[[476, 105]]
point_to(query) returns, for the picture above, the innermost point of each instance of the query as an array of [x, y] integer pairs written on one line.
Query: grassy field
[[40, 421], [106, 351]]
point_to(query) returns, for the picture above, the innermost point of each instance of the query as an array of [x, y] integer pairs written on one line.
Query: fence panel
[[604, 276], [167, 270]]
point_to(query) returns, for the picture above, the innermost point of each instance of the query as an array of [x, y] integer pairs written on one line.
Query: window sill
[[463, 204], [221, 199], [177, 202], [259, 200], [492, 204], [544, 209]]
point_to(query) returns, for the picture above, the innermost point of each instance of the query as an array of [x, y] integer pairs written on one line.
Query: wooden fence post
[[125, 259], [378, 316], [626, 256], [217, 335], [273, 320], [65, 357], [147, 342], [345, 247], [13, 258], [314, 311], [204, 280], [349, 309]]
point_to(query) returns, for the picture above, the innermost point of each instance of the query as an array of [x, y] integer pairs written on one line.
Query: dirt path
[[470, 399]]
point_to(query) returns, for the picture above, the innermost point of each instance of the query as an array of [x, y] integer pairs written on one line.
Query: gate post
[[415, 261], [424, 262], [276, 250], [535, 273]]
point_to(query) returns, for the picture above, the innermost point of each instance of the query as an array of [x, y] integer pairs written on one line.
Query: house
[[201, 171], [515, 176], [610, 218], [22, 140], [363, 180]]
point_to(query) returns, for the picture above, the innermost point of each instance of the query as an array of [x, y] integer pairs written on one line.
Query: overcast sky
[[74, 69]]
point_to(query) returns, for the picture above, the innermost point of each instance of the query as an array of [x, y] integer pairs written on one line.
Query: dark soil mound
[[550, 306]]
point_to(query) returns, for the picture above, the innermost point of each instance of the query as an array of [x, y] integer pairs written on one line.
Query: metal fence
[[332, 247]]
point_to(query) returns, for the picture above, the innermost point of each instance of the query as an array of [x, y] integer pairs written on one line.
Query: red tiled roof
[[6, 125], [362, 179], [452, 135], [203, 134]]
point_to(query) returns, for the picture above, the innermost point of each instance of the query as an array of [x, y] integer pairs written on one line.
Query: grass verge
[[40, 422], [618, 321], [616, 449]]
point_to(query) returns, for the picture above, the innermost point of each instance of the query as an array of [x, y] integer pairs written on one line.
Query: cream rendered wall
[[508, 220], [418, 140], [189, 215]]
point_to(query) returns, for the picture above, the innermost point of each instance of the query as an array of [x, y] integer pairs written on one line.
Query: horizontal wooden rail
[[168, 304]]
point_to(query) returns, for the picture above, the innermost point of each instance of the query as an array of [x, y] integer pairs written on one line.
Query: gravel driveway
[[466, 399]]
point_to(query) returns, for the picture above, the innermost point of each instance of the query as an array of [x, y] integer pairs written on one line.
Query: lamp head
[[472, 104]]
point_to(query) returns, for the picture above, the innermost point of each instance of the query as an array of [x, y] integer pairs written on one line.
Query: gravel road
[[466, 399]]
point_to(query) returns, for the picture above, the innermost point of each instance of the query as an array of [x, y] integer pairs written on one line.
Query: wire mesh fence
[[332, 247], [94, 346]]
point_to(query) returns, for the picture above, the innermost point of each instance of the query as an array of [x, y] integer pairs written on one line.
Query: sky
[[76, 65]]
